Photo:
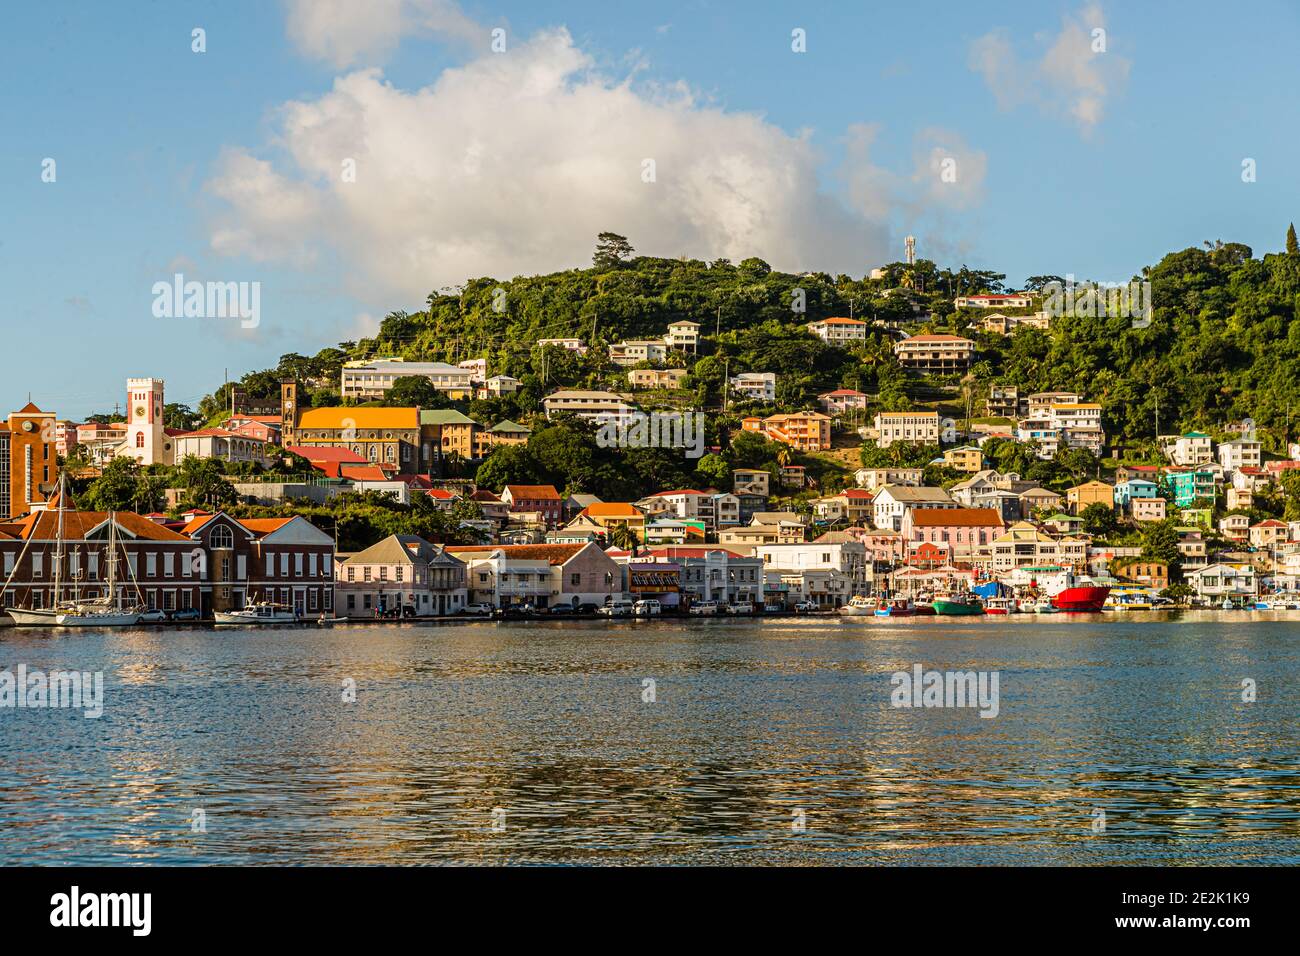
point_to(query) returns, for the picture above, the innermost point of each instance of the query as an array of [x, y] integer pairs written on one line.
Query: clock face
[[29, 426], [139, 411]]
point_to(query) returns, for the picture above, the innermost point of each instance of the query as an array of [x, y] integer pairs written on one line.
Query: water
[[1138, 716]]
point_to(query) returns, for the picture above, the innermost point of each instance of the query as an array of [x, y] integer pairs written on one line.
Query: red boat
[[1080, 598]]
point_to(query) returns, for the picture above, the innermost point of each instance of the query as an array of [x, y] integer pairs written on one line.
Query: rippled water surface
[[1139, 718]]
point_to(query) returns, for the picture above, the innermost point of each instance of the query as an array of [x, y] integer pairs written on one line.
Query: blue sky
[[168, 160]]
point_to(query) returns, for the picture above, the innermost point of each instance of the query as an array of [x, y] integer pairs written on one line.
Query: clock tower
[[288, 413], [146, 440]]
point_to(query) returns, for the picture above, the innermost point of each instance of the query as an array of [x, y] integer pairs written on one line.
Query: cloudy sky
[[351, 157]]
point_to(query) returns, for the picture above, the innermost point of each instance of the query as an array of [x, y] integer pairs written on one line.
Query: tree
[[508, 465], [611, 250], [1099, 520], [115, 489], [1160, 543], [415, 391], [1292, 247]]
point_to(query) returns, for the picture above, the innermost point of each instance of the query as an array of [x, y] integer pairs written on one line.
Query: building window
[[221, 537]]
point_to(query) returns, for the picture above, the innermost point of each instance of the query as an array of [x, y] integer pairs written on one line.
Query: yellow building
[[968, 458], [389, 437], [610, 514], [1090, 493]]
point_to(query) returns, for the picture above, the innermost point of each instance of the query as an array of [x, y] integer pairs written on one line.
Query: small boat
[[1044, 605], [1261, 606], [1227, 605], [263, 612], [898, 608], [999, 605], [98, 617], [957, 604], [858, 606]]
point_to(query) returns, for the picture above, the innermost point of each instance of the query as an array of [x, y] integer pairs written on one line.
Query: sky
[[345, 159]]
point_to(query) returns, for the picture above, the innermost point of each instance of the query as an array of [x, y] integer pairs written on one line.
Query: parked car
[[562, 609], [477, 609], [185, 614], [617, 608], [806, 606], [704, 608], [773, 608], [740, 609], [588, 608], [647, 607], [154, 616]]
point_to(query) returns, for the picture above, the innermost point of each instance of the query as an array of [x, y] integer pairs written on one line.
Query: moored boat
[[858, 606], [263, 612], [957, 604]]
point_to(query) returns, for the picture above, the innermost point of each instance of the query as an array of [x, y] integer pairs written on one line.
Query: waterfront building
[[401, 571], [962, 533], [713, 574], [543, 575]]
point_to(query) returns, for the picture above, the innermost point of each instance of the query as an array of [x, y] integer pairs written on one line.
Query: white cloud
[[1074, 78], [513, 163], [344, 32]]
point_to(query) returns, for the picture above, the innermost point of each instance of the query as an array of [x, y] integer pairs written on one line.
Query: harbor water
[[1146, 739]]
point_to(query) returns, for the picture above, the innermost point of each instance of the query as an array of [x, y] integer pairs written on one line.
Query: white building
[[634, 351], [1193, 448], [146, 438], [1240, 453], [1062, 425], [569, 345], [364, 380], [839, 330], [755, 386], [1011, 301], [594, 406], [873, 478], [892, 502], [224, 445], [913, 428], [683, 335], [402, 571]]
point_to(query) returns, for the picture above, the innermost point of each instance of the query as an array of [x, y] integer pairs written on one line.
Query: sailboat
[[97, 612]]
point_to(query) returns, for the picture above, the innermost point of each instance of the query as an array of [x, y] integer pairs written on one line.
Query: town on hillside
[[920, 441]]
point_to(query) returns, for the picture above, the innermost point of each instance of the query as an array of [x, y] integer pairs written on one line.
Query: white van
[[616, 608], [646, 607]]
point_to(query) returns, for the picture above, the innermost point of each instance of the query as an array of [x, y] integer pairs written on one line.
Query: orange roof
[[43, 525], [840, 320], [362, 473], [611, 509], [336, 453], [359, 417], [546, 492], [956, 517], [556, 554], [263, 526]]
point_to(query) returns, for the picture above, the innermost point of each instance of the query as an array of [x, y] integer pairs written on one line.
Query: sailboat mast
[[112, 559], [58, 547]]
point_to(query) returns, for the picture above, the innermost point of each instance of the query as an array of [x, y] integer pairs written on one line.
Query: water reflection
[[751, 723]]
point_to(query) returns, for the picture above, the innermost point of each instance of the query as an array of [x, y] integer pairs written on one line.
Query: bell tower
[[288, 412], [145, 439]]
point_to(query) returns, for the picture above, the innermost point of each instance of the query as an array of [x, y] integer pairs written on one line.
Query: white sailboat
[[97, 612]]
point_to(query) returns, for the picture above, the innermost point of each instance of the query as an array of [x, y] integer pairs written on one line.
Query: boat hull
[[98, 620], [956, 608], [26, 618], [1081, 599]]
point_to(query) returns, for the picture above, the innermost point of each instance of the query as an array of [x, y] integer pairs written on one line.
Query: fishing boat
[[261, 612], [957, 604], [999, 605], [858, 605], [1044, 605], [896, 608]]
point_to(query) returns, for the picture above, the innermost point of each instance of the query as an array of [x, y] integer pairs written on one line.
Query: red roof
[[332, 453], [956, 518], [362, 473], [531, 492], [680, 491], [676, 551]]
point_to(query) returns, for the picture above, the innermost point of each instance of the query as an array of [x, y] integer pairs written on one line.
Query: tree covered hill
[[1224, 343]]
